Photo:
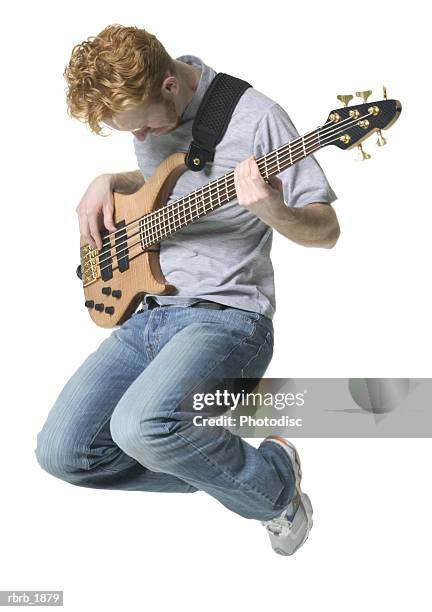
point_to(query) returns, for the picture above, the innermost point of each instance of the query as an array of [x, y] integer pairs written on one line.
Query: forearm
[[314, 225], [127, 182]]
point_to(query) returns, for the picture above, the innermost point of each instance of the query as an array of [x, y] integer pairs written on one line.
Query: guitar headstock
[[349, 126]]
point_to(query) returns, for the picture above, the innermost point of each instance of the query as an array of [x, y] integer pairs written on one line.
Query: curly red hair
[[122, 67]]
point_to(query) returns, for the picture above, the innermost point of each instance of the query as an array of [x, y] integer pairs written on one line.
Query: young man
[[119, 422]]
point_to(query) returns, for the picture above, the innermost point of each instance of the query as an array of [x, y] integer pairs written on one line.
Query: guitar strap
[[212, 118]]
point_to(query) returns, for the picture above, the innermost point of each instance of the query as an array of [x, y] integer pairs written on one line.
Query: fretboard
[[163, 222]]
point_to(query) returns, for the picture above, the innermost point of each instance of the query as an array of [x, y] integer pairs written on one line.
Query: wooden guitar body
[[113, 291]]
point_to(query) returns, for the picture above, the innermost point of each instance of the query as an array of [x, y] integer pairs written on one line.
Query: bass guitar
[[116, 278]]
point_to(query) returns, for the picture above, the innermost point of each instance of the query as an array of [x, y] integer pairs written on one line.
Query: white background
[[360, 309]]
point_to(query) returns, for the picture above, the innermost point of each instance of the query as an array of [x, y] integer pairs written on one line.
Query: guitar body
[[111, 301]]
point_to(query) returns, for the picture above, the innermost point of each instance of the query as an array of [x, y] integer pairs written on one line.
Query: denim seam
[[128, 464], [95, 436], [162, 318], [254, 316], [227, 474], [254, 356]]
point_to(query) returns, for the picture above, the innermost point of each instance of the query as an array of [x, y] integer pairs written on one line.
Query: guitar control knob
[[109, 310], [106, 290], [99, 307], [89, 303], [116, 293]]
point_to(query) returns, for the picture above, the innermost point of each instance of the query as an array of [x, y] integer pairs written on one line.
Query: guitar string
[[151, 233], [119, 256], [270, 157]]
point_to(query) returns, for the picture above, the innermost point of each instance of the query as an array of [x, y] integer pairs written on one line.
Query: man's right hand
[[96, 210]]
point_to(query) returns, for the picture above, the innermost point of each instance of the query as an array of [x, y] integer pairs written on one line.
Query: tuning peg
[[344, 99], [362, 155], [364, 94], [384, 92], [381, 141]]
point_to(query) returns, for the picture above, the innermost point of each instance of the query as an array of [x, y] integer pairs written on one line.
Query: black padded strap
[[212, 118]]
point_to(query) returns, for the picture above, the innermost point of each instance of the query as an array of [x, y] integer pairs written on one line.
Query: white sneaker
[[291, 528]]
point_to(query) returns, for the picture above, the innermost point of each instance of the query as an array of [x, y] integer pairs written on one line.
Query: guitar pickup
[[121, 247], [105, 259]]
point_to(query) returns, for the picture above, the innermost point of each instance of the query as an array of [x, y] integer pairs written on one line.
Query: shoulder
[[258, 104]]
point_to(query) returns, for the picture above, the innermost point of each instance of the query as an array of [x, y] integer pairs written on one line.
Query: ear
[[170, 84]]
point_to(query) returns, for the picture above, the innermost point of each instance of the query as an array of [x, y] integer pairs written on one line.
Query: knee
[[144, 440], [57, 457]]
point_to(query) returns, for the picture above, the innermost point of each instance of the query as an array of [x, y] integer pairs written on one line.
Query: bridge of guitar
[[98, 265]]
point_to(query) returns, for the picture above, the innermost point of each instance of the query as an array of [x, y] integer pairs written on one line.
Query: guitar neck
[[163, 222]]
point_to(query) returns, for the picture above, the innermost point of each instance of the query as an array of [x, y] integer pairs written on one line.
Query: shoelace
[[282, 525]]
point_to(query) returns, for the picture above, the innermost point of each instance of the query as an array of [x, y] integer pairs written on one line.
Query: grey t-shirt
[[225, 255]]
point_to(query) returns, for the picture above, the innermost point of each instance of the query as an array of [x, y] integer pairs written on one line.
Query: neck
[[188, 77]]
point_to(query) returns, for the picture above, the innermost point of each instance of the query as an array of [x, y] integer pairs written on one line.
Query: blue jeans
[[119, 422]]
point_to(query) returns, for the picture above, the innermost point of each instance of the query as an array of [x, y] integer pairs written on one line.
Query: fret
[[210, 202], [214, 199], [163, 219], [198, 202], [145, 239], [202, 201], [142, 234], [182, 213], [189, 210], [152, 230], [179, 216], [169, 218], [146, 230], [304, 147], [196, 207]]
